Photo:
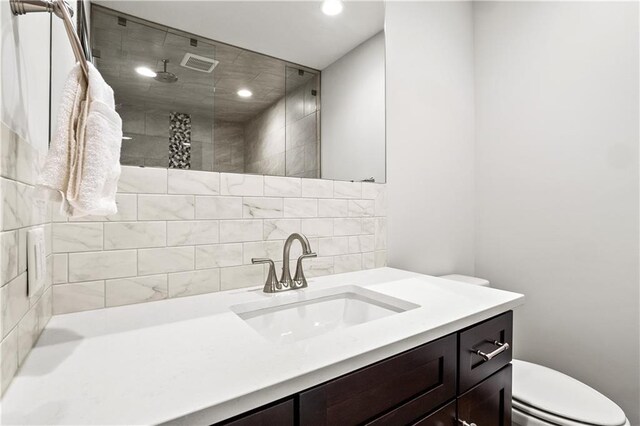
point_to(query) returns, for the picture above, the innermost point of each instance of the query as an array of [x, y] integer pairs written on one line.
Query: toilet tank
[[467, 279]]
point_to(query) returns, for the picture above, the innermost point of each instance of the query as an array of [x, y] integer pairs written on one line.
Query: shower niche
[[193, 102]]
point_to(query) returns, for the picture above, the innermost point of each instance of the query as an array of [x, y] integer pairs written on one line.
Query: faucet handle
[[272, 285], [299, 280]]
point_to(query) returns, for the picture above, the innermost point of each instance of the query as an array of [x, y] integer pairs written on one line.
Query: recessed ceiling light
[[331, 7], [147, 72], [126, 138], [244, 93]]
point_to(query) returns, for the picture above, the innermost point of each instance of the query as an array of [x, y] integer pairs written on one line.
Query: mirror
[[273, 88]]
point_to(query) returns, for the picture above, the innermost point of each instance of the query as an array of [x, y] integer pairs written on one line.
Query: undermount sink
[[301, 314]]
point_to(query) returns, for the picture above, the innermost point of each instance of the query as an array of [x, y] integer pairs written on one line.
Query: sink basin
[[300, 314]]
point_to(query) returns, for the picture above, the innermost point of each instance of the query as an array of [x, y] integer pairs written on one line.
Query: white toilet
[[546, 397]]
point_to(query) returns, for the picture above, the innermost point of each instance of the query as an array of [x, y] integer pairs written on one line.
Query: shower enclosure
[[193, 103]]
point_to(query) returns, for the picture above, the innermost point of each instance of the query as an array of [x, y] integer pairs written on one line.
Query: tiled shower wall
[[22, 315], [180, 232], [228, 147], [283, 139], [149, 146]]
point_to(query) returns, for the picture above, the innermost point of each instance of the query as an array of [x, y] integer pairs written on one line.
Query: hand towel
[[83, 163]]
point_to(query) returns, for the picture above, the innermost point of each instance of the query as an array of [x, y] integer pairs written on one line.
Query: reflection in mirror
[[195, 102]]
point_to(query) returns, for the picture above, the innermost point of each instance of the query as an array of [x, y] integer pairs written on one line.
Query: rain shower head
[[165, 76]]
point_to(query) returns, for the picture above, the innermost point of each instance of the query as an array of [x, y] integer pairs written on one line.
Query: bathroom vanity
[[381, 346], [433, 384]]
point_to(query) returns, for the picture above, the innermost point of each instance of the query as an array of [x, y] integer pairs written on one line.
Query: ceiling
[[120, 47], [295, 31]]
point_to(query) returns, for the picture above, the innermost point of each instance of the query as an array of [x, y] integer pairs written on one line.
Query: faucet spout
[[299, 281]]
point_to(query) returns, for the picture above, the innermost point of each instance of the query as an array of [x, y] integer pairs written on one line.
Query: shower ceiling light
[[331, 7], [244, 93], [147, 72]]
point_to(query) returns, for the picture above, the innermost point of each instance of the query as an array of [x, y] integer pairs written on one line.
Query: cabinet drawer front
[[408, 413], [484, 337], [421, 378], [281, 414], [489, 403], [446, 416]]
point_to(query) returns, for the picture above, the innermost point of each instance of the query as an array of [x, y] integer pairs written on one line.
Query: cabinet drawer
[[280, 414], [489, 403], [446, 416], [419, 380], [485, 337]]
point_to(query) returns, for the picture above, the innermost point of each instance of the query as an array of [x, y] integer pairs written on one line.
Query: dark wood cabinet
[[416, 387], [486, 337], [446, 416], [416, 382], [279, 414], [488, 403]]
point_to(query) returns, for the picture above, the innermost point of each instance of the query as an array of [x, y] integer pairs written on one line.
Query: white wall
[[557, 182], [24, 75], [352, 118], [430, 136]]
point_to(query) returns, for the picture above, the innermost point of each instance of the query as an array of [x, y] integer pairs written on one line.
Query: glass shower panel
[[264, 109], [163, 93], [302, 150]]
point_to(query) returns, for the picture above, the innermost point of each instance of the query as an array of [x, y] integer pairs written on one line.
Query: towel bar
[[62, 10]]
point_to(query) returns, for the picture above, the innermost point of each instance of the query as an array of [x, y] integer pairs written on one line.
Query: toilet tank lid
[[563, 396], [466, 279]]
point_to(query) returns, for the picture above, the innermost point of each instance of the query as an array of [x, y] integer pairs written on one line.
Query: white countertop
[[193, 361]]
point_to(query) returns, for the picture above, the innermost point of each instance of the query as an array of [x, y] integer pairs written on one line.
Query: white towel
[[83, 163]]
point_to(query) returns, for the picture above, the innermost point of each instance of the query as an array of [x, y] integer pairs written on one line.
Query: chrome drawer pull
[[487, 357], [463, 423]]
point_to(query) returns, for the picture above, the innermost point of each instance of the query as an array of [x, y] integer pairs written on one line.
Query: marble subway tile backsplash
[[280, 229], [219, 207], [262, 207], [218, 256], [126, 235], [276, 186], [241, 184], [300, 207], [78, 297], [135, 289], [192, 182], [143, 180], [342, 189], [166, 207], [23, 315], [97, 265], [74, 237], [194, 282], [194, 232], [183, 232]]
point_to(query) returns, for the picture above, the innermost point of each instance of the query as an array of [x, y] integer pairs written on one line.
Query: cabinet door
[[489, 403], [415, 382], [281, 414], [446, 416]]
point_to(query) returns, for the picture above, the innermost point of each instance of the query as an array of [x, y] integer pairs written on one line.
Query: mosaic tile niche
[[179, 141]]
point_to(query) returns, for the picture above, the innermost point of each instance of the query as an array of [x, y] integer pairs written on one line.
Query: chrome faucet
[[286, 282], [271, 285], [298, 281]]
